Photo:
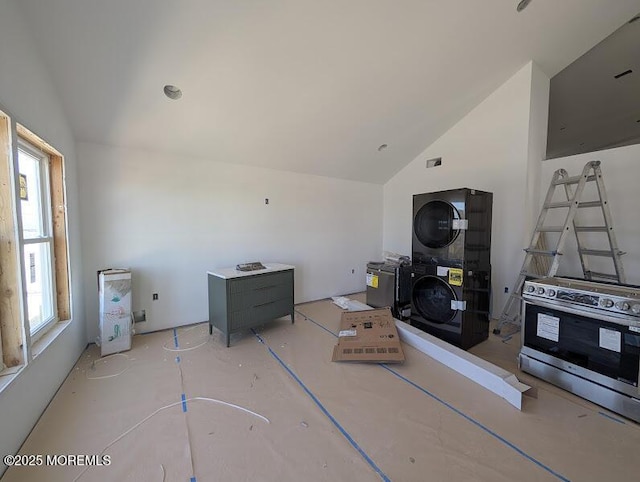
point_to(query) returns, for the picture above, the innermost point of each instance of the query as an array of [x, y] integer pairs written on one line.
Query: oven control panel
[[625, 301]]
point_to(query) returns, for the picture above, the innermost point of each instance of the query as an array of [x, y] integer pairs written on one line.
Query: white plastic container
[[114, 289]]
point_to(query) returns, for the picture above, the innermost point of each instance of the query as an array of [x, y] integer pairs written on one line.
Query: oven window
[[578, 342], [432, 298], [433, 224]]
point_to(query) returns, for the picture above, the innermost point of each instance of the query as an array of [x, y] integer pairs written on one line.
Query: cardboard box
[[368, 336]]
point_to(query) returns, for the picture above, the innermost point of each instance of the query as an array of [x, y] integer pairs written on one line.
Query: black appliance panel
[[431, 307], [580, 298], [432, 299], [434, 224], [452, 225], [404, 286], [578, 342]]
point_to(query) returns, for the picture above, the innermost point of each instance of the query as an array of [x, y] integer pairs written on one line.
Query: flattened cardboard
[[368, 336]]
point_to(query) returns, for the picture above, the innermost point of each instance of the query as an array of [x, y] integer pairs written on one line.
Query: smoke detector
[[522, 5], [173, 92]]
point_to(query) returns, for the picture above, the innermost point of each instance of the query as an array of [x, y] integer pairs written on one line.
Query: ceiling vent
[[622, 74], [434, 162]]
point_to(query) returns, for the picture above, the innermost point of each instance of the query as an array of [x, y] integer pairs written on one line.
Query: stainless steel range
[[584, 336]]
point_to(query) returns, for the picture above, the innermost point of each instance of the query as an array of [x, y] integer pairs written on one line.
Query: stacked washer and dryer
[[451, 270]]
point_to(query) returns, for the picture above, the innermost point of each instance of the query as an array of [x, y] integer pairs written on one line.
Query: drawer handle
[[266, 287], [264, 304]]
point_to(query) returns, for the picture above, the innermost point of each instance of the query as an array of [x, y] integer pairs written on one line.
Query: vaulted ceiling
[[299, 85]]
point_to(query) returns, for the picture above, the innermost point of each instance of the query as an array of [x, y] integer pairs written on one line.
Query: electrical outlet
[[155, 296], [139, 316], [353, 271], [506, 289]]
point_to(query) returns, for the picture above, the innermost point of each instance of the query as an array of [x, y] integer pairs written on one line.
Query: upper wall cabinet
[[594, 103]]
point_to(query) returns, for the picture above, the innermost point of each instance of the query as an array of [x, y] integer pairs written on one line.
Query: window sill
[[8, 375]]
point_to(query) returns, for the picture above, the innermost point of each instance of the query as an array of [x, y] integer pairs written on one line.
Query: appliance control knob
[[623, 305], [541, 290], [607, 303], [531, 289], [636, 309], [551, 293]]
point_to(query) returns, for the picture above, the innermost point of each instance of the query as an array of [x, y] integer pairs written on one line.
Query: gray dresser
[[239, 300]]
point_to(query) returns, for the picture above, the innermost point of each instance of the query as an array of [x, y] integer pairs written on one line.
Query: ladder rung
[[574, 180], [590, 204], [563, 204], [603, 275], [543, 252], [551, 229], [566, 204], [596, 252], [591, 229]]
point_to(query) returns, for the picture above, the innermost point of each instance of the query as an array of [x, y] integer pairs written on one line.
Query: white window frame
[[45, 206]]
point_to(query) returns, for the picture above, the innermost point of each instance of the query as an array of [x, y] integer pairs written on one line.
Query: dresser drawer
[[259, 290], [260, 281], [258, 296], [255, 315]]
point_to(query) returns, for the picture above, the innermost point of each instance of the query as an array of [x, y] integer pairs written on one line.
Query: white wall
[[494, 148], [28, 95], [537, 146], [621, 173], [172, 218]]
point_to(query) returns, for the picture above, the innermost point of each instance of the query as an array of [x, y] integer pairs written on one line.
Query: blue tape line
[[462, 414], [318, 324], [183, 396], [175, 338], [258, 336], [477, 424], [353, 443], [612, 418]]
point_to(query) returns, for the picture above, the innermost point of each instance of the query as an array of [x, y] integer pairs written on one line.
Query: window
[[33, 242], [36, 239]]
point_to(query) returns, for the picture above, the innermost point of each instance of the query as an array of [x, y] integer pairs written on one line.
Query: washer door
[[433, 224], [432, 298]]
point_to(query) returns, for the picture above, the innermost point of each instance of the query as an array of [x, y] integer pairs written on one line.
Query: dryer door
[[434, 224], [432, 298]]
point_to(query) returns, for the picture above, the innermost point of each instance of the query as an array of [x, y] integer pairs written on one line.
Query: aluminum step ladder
[[540, 262]]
